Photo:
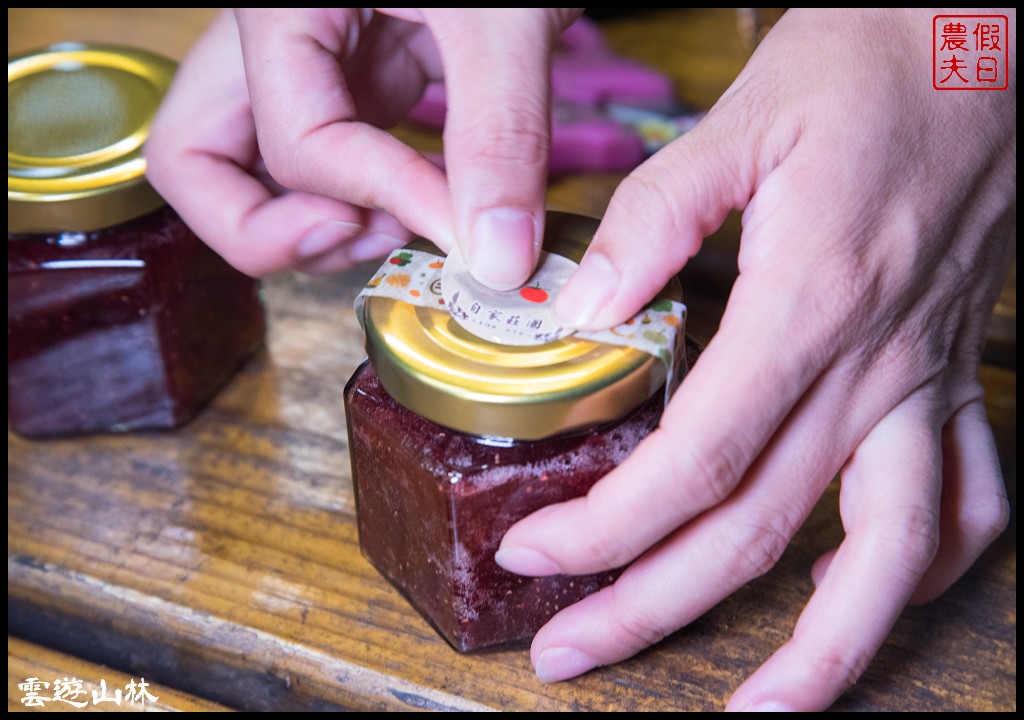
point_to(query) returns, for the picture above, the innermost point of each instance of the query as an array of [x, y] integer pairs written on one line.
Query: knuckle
[[987, 517], [518, 136], [634, 626], [841, 670], [281, 166], [154, 152], [718, 474], [609, 549], [753, 544], [711, 471], [913, 539], [407, 177], [608, 552], [678, 197], [165, 162], [652, 205]]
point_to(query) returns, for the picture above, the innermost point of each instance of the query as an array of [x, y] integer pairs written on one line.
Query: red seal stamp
[[970, 52]]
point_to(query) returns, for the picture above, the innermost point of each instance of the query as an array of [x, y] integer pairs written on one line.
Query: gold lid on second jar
[[437, 369], [77, 117]]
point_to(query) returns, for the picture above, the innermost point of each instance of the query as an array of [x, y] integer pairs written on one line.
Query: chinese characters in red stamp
[[970, 52]]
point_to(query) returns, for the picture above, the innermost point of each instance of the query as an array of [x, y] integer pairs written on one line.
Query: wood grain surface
[[221, 561]]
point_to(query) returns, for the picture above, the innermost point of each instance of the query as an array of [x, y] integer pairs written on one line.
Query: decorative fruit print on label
[[398, 280], [534, 294], [656, 337], [401, 259]]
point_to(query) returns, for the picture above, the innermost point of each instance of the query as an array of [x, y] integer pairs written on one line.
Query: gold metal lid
[[437, 369], [77, 116]]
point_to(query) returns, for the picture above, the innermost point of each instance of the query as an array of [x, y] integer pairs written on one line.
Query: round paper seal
[[514, 317]]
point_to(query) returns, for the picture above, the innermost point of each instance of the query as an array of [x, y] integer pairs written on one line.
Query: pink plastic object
[[583, 139], [587, 72], [586, 76]]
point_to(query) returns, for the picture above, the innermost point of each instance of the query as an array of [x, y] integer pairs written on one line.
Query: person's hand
[[879, 226], [270, 142]]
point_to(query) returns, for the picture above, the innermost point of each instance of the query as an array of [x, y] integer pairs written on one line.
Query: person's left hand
[[879, 222]]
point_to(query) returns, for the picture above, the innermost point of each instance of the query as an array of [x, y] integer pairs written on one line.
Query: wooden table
[[221, 562]]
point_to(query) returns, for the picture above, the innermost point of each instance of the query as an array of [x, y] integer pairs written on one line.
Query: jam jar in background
[[118, 317], [454, 438]]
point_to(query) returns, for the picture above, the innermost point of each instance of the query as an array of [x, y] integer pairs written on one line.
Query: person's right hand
[[270, 143]]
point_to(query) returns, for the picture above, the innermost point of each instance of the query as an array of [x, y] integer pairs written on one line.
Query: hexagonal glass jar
[[453, 439], [118, 317]]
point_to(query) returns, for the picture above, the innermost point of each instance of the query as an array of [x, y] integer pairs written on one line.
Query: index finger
[[314, 80], [202, 156]]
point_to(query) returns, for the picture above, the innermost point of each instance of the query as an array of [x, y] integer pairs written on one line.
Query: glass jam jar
[[454, 438], [118, 317]]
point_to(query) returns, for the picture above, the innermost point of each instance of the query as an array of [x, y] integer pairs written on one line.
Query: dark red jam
[[433, 504], [129, 327]]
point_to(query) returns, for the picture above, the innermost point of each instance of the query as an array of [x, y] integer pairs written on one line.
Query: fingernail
[[562, 663], [587, 293], [331, 261], [768, 706], [374, 245], [324, 237], [524, 561], [503, 247]]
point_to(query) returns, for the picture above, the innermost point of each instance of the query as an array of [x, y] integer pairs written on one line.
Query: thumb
[[497, 133], [657, 220]]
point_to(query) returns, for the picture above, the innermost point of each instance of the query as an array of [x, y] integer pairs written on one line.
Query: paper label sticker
[[516, 317], [523, 317]]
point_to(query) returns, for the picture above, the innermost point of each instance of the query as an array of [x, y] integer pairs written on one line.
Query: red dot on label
[[533, 294]]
